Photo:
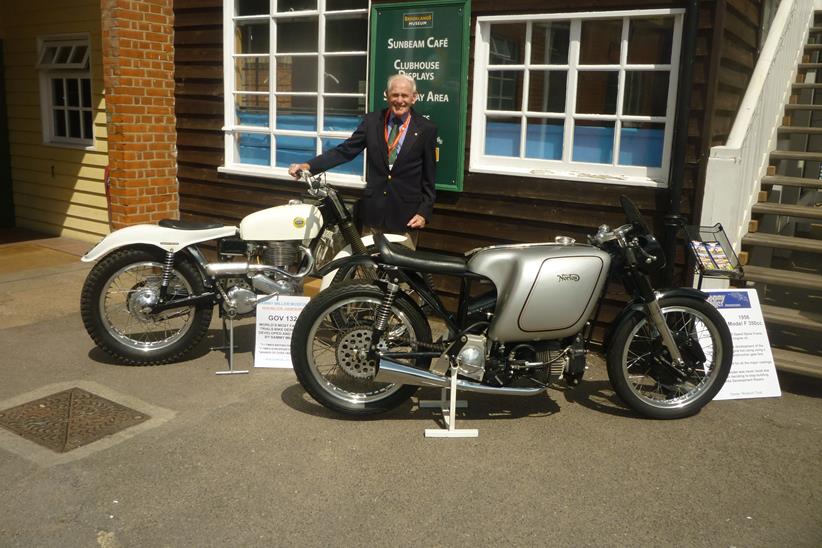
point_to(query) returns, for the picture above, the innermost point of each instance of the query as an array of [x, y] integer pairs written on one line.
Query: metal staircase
[[783, 247]]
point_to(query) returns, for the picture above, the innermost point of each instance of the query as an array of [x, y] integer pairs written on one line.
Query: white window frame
[[77, 70], [231, 128], [566, 168]]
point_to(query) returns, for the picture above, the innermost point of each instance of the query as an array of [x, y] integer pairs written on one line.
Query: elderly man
[[401, 164]]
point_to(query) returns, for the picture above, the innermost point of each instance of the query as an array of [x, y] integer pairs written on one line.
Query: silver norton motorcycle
[[361, 349]]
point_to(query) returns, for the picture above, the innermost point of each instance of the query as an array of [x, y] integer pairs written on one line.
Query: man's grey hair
[[394, 77]]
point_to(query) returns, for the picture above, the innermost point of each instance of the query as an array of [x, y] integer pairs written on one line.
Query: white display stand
[[449, 413], [228, 347], [753, 374], [275, 322]]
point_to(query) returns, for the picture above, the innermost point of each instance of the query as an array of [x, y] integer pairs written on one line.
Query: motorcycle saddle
[[421, 261], [187, 225]]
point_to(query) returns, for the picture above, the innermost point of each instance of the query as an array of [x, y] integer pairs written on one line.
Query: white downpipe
[[736, 169]]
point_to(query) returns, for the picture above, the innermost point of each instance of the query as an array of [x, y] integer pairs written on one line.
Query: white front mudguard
[[366, 241], [167, 239]]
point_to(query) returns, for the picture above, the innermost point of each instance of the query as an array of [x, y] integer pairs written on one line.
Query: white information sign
[[753, 374], [275, 322]]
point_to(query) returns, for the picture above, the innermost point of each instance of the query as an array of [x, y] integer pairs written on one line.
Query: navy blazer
[[390, 198]]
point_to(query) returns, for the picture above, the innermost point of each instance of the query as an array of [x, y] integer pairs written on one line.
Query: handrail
[[735, 170]]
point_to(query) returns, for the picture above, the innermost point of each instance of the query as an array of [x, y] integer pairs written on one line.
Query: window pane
[[74, 129], [86, 91], [354, 167], [298, 113], [252, 37], [251, 74], [251, 7], [297, 73], [641, 144], [345, 4], [504, 90], [343, 113], [646, 93], [650, 41], [346, 34], [88, 131], [62, 54], [543, 139], [294, 150], [297, 35], [502, 136], [253, 148], [295, 5], [549, 43], [546, 90], [345, 74], [593, 141], [507, 44], [78, 54], [58, 92], [597, 92], [73, 90], [48, 55], [60, 123], [600, 42], [252, 110]]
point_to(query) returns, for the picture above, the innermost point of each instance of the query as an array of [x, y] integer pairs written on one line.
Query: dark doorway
[[6, 197]]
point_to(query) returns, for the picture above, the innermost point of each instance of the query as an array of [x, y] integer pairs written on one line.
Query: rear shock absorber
[[168, 270], [382, 315]]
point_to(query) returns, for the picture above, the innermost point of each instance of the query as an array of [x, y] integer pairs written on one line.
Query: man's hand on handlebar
[[296, 170]]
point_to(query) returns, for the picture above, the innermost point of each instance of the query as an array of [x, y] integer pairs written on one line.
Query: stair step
[[796, 155], [766, 208], [800, 129], [809, 66], [783, 242], [797, 362], [801, 106], [791, 181], [787, 278], [813, 47], [807, 85], [792, 318]]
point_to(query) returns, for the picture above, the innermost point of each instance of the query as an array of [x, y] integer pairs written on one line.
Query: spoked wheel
[[116, 307], [330, 348], [641, 370]]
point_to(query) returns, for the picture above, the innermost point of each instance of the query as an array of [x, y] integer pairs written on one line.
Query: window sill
[[71, 146], [569, 175], [345, 181]]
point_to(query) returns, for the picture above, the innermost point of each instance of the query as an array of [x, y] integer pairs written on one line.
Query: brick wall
[[138, 74]]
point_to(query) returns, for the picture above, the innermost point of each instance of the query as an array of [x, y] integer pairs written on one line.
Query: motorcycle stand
[[449, 413], [229, 349]]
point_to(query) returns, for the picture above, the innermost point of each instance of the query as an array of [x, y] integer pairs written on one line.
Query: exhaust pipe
[[393, 372]]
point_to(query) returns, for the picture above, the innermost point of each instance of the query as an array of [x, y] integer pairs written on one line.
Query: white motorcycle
[[150, 298]]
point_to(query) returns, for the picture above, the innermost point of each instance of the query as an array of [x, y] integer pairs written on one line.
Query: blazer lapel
[[411, 136]]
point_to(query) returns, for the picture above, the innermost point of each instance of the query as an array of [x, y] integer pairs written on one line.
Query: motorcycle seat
[[188, 225], [421, 261]]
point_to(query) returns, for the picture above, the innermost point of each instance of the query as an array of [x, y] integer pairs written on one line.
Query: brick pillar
[[138, 75]]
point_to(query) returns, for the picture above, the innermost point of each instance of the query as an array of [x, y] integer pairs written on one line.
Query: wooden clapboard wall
[[492, 209]]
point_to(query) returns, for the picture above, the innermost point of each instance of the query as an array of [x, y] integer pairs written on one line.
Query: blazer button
[[389, 177], [385, 194]]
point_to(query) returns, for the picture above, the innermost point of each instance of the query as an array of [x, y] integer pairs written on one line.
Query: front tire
[[115, 300], [330, 341], [640, 369]]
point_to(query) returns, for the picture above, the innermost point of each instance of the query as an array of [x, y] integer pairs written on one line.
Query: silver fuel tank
[[544, 290]]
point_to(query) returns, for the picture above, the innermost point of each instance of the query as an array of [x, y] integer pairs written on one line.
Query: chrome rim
[[124, 304], [647, 367], [337, 349]]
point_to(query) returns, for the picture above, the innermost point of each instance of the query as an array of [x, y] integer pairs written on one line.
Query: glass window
[[584, 96], [297, 82], [65, 81]]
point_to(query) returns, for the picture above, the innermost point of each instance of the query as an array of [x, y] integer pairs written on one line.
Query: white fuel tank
[[290, 222]]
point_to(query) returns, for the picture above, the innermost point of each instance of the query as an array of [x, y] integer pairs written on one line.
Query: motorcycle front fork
[[657, 319]]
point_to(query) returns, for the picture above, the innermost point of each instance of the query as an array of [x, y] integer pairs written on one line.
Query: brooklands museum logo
[[418, 20]]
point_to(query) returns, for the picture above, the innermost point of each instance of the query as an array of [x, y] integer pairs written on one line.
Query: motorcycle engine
[[471, 358], [285, 256]]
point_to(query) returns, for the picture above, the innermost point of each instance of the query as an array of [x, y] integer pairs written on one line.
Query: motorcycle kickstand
[[229, 354], [449, 414]]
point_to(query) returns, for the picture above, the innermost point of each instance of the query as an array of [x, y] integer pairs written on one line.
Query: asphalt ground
[[251, 460]]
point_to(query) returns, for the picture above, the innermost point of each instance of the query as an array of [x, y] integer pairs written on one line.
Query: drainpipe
[[673, 218]]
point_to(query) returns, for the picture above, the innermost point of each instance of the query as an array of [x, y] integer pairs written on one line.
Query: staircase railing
[[735, 169]]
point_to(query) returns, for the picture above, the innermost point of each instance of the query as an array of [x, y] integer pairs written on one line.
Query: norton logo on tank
[[568, 277]]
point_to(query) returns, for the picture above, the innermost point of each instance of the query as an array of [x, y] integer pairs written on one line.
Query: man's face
[[400, 97]]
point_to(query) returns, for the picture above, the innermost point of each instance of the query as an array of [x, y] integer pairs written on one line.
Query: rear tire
[[640, 370], [330, 342], [115, 297]]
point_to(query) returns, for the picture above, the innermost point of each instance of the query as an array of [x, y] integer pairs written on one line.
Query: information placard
[[753, 374], [429, 42], [275, 322]]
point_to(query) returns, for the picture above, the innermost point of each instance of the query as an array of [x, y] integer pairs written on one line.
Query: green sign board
[[429, 42]]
